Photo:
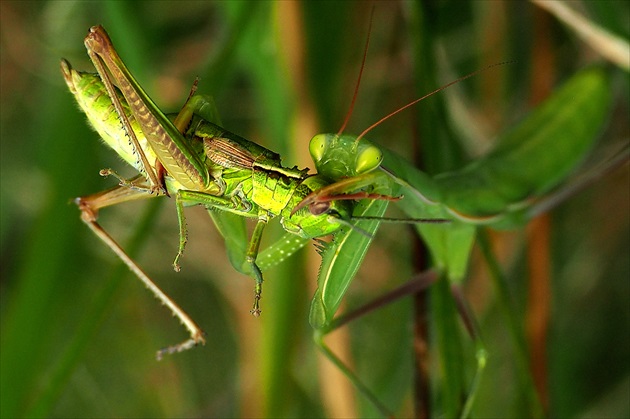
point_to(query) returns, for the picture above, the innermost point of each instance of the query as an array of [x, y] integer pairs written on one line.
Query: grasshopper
[[190, 158]]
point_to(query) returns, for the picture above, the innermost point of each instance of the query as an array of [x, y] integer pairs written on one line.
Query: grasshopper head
[[338, 156], [318, 219]]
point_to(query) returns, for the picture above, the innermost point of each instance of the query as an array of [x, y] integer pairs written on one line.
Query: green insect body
[[202, 164], [256, 173], [500, 190], [165, 138], [247, 171], [90, 94], [246, 179], [497, 190]]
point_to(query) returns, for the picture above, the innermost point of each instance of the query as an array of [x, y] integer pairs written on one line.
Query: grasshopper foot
[[255, 311], [176, 266], [257, 295], [181, 347]]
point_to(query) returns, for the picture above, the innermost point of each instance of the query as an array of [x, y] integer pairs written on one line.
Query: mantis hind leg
[[418, 283]]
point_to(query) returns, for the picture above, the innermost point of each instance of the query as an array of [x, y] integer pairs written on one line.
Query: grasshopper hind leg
[[89, 206]]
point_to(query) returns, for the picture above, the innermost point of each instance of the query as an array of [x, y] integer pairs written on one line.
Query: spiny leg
[[416, 284], [193, 105], [172, 149], [186, 198], [196, 334], [183, 231], [109, 86], [252, 253], [89, 207], [129, 190], [481, 354], [240, 207]]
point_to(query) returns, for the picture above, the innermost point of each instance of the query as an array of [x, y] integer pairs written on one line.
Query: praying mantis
[[440, 198]]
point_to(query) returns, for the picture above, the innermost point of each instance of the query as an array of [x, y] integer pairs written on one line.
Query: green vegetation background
[[79, 332]]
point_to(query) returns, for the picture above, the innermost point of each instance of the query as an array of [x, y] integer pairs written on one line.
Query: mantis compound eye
[[318, 208], [369, 158], [318, 146]]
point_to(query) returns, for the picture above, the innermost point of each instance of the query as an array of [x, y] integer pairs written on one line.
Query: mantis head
[[338, 156]]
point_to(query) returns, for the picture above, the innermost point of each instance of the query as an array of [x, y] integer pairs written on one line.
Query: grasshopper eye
[[368, 159], [318, 208]]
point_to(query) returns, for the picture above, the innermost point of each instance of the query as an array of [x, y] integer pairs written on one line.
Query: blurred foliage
[[79, 333]]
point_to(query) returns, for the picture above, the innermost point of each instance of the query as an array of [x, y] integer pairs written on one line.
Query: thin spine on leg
[[183, 231], [196, 334], [144, 162]]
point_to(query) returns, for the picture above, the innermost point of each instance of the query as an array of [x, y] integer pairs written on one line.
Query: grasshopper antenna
[[358, 83]]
